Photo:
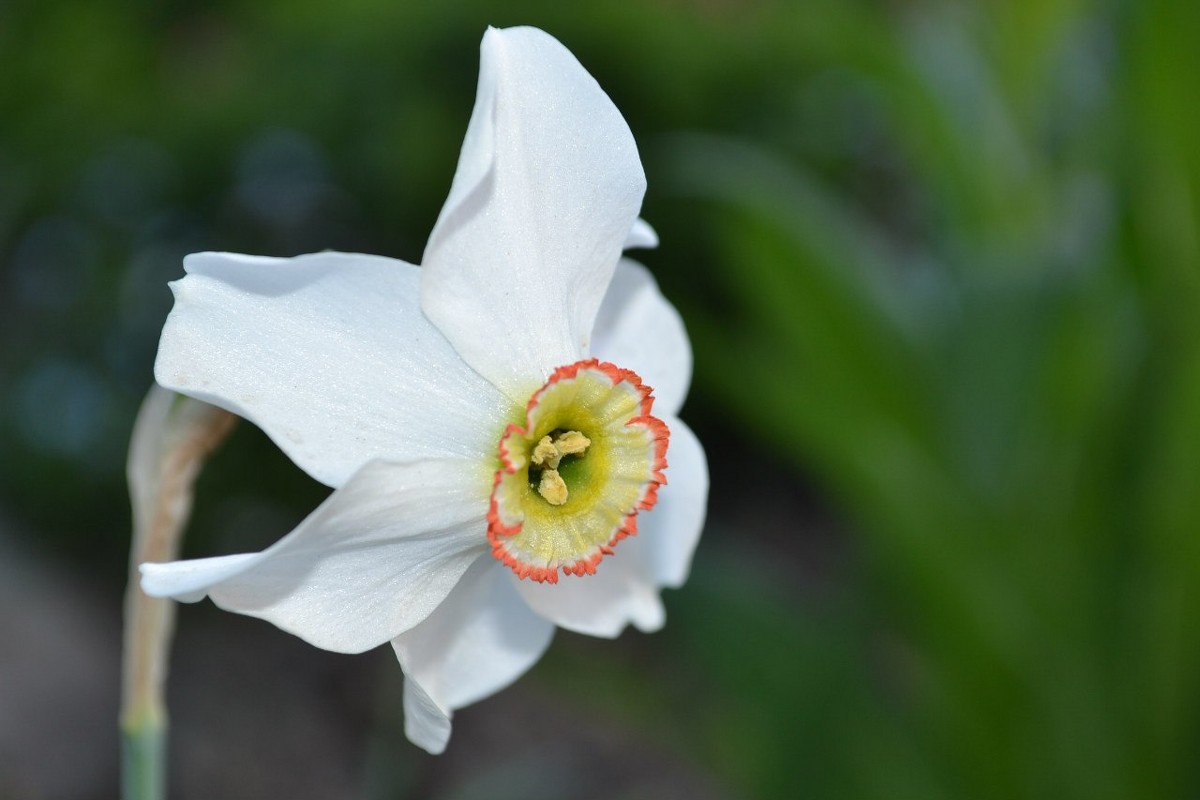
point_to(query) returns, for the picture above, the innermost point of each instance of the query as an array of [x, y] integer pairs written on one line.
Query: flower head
[[486, 420]]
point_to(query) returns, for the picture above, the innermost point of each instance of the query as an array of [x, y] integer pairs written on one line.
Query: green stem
[[143, 761]]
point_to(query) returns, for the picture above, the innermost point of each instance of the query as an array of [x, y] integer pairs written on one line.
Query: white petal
[[189, 581], [641, 235], [372, 561], [624, 589], [639, 330], [547, 189], [618, 594], [330, 354], [426, 724], [479, 640], [669, 532]]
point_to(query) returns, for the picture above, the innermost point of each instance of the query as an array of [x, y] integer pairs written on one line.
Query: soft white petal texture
[[478, 641], [620, 593], [624, 589], [671, 530], [374, 560], [190, 581], [425, 724], [638, 329], [547, 189], [330, 354], [641, 235]]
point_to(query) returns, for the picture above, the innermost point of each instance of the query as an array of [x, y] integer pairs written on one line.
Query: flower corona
[[573, 478]]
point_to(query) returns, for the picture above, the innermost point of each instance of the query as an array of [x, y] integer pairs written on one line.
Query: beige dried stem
[[172, 437]]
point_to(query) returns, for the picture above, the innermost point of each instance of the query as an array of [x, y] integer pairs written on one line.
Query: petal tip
[[641, 236], [426, 723], [158, 580]]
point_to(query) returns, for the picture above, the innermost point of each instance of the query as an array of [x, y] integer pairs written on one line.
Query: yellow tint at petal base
[[589, 429]]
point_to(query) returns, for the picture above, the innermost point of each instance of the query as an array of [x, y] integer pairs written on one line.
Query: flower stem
[[171, 439], [143, 761]]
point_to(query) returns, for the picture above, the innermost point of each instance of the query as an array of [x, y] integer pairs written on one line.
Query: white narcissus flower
[[485, 419]]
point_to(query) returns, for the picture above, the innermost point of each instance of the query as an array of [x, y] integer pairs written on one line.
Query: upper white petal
[[638, 329], [547, 189], [479, 640], [330, 354], [625, 588], [374, 560]]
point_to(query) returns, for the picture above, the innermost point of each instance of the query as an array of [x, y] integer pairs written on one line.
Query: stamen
[[548, 454], [571, 443], [552, 487], [545, 452]]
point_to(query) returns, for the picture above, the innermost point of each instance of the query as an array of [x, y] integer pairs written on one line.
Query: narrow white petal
[[641, 235], [638, 329], [547, 189], [426, 724], [329, 354], [625, 588], [479, 640], [189, 581], [372, 561]]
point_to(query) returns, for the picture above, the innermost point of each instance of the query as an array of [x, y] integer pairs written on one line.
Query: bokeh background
[[941, 266]]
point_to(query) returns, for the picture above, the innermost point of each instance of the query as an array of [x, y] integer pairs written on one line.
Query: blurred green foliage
[[989, 354], [940, 260]]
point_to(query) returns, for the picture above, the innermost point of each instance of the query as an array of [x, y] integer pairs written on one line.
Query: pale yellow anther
[[571, 443], [548, 453], [545, 453], [552, 487]]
